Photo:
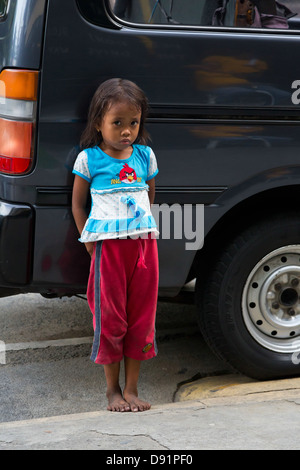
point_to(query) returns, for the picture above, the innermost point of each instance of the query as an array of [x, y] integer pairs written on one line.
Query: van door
[[217, 95]]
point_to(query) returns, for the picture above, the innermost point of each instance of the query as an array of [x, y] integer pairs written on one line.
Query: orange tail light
[[18, 96]]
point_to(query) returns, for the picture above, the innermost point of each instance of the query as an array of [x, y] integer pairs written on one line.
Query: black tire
[[238, 316]]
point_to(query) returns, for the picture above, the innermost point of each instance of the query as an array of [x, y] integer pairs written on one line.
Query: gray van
[[223, 82]]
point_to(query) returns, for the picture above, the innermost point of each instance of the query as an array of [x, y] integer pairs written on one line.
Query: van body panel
[[21, 34], [16, 243], [222, 121]]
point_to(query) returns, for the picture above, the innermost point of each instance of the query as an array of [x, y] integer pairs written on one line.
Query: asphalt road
[[45, 368]]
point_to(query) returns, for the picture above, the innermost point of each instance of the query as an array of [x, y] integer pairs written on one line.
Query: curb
[[236, 389]]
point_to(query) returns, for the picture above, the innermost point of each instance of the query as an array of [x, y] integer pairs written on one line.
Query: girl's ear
[[98, 126]]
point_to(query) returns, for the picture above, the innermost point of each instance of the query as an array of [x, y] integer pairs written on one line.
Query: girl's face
[[119, 128]]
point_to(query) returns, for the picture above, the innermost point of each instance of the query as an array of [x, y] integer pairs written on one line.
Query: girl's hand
[[90, 248], [151, 193], [79, 199]]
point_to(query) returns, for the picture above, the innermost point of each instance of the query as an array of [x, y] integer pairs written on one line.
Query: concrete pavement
[[215, 412], [226, 412]]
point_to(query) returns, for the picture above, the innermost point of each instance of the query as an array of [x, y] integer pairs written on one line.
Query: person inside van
[[252, 14], [246, 10]]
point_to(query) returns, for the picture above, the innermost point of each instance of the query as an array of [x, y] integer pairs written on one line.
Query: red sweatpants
[[122, 295]]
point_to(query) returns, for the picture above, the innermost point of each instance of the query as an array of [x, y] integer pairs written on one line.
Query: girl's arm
[[79, 200], [151, 194]]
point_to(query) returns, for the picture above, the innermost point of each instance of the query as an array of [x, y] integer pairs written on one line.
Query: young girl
[[119, 234]]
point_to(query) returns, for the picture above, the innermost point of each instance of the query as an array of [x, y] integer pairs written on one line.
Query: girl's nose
[[126, 132]]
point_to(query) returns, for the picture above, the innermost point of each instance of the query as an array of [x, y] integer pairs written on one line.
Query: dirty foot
[[135, 403], [116, 402]]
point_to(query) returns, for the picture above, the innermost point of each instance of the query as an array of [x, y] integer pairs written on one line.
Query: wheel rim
[[271, 300]]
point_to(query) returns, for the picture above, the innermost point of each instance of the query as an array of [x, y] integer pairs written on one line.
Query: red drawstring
[[141, 260]]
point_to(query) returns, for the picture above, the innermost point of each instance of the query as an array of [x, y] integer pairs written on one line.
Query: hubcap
[[270, 302]]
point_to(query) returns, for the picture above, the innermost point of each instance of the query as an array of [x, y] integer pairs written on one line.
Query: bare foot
[[116, 402], [135, 403]]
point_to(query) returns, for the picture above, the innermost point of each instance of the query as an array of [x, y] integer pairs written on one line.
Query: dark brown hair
[[113, 91]]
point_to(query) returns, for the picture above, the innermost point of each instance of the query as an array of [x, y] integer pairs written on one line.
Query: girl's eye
[[117, 123], [134, 123]]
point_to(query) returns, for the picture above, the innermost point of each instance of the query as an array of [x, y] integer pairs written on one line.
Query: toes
[[119, 408], [139, 405], [118, 405]]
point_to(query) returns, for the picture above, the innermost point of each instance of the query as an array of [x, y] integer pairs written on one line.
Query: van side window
[[225, 13], [189, 12], [3, 8]]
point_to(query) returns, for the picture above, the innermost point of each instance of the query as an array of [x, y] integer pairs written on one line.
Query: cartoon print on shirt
[[127, 174]]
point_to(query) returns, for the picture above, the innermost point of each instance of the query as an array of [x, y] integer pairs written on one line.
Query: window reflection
[[3, 5], [240, 13]]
